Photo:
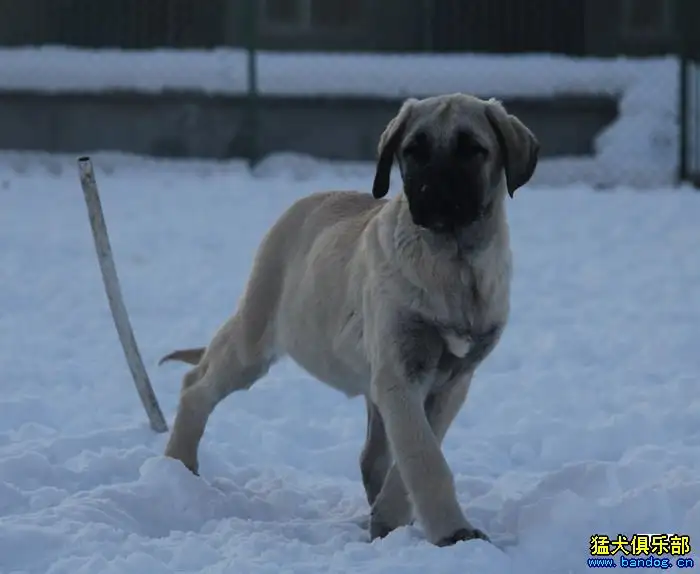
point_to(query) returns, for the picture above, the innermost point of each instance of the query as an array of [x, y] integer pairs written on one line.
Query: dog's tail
[[191, 356]]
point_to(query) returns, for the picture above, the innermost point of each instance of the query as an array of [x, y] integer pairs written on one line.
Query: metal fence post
[[683, 61], [428, 26], [253, 95], [689, 97]]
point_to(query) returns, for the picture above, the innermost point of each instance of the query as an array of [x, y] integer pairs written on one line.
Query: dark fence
[[572, 27], [126, 24], [504, 26]]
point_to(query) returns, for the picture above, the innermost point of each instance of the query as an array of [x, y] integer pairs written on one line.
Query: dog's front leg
[[392, 508], [375, 459], [421, 465]]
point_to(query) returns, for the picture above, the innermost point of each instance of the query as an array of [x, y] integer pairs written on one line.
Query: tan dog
[[398, 300]]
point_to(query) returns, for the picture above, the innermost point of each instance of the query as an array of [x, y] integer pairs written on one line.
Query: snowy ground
[[586, 419]]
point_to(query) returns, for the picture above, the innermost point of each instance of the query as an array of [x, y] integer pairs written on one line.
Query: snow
[[224, 71], [585, 419], [638, 149]]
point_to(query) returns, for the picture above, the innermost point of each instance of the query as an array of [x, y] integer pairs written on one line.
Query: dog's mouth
[[458, 219], [440, 227]]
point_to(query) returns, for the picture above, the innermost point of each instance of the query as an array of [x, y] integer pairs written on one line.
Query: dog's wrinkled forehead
[[442, 117]]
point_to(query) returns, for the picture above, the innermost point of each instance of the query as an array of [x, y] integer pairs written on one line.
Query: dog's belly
[[336, 375], [326, 339], [324, 364]]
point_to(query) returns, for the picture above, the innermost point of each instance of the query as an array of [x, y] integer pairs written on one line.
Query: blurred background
[[609, 86]]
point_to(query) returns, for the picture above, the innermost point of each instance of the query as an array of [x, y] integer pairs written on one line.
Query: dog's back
[[301, 270]]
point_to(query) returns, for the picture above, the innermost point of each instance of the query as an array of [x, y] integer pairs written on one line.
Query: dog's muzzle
[[444, 212]]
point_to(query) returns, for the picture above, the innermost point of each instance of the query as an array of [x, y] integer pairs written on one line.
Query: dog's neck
[[403, 239], [467, 242]]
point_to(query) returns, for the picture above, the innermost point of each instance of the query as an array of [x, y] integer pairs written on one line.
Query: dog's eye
[[418, 148], [468, 148]]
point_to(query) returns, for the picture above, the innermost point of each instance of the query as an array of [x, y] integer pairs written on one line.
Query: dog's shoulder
[[317, 210], [347, 212], [341, 204]]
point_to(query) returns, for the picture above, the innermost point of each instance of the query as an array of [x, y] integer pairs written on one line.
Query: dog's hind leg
[[239, 354], [233, 361], [375, 459]]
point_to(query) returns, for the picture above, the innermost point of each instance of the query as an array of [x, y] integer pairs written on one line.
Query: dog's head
[[453, 152]]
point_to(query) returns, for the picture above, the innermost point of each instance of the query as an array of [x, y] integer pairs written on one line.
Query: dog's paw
[[378, 528], [191, 465], [461, 535]]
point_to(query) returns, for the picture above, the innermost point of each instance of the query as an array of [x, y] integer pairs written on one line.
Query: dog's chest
[[451, 331], [476, 297], [471, 325], [434, 354]]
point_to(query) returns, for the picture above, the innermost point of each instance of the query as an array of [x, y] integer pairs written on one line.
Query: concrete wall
[[199, 126]]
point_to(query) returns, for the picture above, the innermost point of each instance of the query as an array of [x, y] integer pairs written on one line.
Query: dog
[[398, 300]]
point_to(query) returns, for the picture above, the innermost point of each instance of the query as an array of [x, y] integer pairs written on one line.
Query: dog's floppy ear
[[388, 145], [519, 147]]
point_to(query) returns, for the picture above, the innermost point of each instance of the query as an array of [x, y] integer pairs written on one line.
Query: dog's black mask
[[444, 181]]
